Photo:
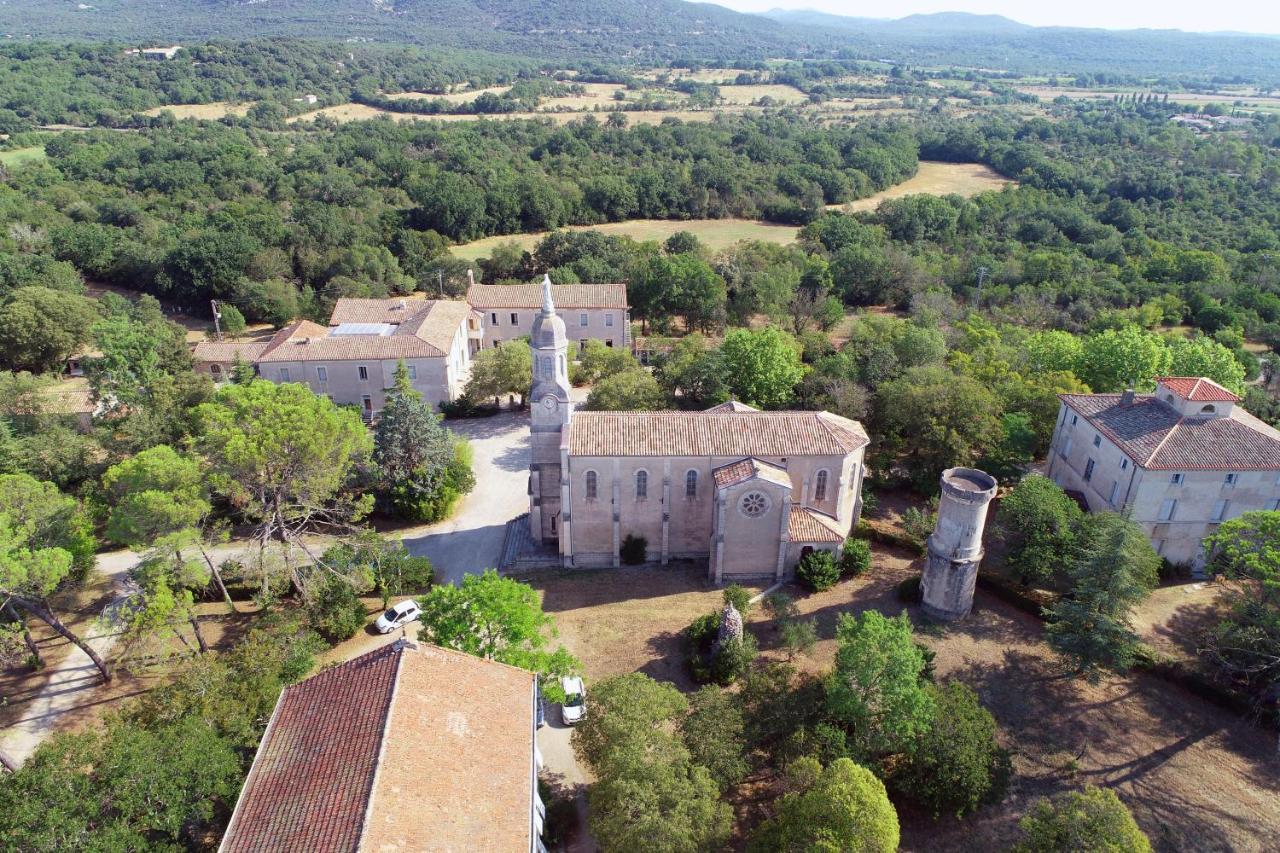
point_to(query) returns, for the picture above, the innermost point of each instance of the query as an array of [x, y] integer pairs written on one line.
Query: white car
[[574, 707], [397, 616]]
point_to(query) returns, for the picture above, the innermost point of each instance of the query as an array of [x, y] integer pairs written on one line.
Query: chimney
[[471, 278], [1126, 399]]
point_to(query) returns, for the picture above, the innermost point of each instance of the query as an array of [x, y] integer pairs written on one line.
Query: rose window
[[755, 505]]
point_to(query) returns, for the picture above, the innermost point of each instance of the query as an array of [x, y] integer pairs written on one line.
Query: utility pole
[[440, 278], [217, 318]]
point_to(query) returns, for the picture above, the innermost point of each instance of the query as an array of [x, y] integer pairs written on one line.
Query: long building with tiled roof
[[590, 311], [748, 492], [1181, 460], [353, 360], [410, 747]]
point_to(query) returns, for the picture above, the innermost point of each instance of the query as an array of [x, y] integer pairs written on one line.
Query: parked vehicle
[[398, 616], [574, 708]]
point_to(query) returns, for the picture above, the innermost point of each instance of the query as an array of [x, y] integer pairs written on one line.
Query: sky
[[1251, 16]]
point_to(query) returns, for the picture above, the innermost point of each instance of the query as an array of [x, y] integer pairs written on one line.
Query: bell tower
[[550, 410]]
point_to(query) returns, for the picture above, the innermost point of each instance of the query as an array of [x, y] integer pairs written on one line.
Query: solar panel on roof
[[373, 329]]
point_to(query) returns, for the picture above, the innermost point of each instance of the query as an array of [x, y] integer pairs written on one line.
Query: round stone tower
[[955, 547]]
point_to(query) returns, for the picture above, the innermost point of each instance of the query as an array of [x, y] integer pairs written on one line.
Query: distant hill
[[617, 29], [993, 41], [653, 30]]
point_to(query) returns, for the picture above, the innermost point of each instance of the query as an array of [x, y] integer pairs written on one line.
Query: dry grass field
[[715, 233], [213, 111], [359, 112], [749, 94], [932, 178], [452, 97], [1196, 777], [1191, 99]]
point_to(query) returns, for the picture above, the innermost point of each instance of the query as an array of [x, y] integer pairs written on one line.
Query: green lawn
[[18, 156]]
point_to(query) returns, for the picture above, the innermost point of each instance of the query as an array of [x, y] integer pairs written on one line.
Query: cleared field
[[1225, 99], [748, 94], [360, 112], [966, 179], [715, 233], [596, 94], [215, 110], [452, 97], [18, 156]]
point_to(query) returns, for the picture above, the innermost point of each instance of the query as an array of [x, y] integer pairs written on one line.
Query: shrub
[[1093, 819], [798, 636], [466, 407], [633, 550], [956, 766], [232, 320], [856, 557], [335, 611], [909, 591], [780, 606], [870, 502], [917, 525], [734, 659], [818, 571], [739, 596]]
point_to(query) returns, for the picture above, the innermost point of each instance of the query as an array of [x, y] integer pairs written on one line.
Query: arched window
[[1208, 410], [820, 486], [548, 368], [642, 485], [691, 484], [592, 486]]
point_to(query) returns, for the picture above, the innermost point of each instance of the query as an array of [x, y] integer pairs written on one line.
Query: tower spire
[[548, 307]]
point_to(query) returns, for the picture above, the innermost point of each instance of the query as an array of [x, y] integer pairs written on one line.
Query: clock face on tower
[[550, 403]]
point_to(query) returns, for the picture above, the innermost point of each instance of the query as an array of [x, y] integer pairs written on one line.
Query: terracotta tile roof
[[1153, 434], [486, 296], [1198, 389], [429, 333], [219, 351], [733, 434], [393, 310], [408, 747], [457, 768], [809, 525], [732, 406], [314, 771], [746, 469]]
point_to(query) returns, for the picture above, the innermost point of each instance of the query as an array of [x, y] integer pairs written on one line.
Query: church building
[[751, 492]]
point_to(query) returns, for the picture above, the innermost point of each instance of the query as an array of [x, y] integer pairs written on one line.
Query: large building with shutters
[[750, 492], [1181, 461]]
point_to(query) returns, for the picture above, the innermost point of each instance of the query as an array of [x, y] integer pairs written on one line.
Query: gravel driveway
[[471, 541]]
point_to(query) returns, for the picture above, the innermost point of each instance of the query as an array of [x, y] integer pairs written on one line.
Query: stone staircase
[[521, 553]]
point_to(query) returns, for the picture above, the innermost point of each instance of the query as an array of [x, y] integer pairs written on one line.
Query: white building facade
[[1180, 461]]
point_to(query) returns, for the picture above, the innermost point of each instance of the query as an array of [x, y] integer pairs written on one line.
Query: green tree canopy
[[497, 618], [876, 691], [845, 808], [156, 492], [1118, 358], [1115, 570], [762, 367], [508, 369], [1039, 525], [40, 328], [632, 390], [1091, 821]]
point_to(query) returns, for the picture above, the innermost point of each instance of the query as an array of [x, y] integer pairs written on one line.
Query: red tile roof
[[486, 296], [314, 771], [1153, 434], [428, 333], [732, 406], [809, 525], [407, 747], [226, 351], [745, 469], [396, 309], [1198, 389], [728, 434]]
